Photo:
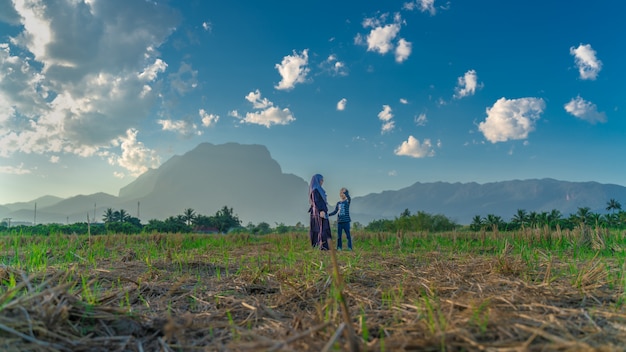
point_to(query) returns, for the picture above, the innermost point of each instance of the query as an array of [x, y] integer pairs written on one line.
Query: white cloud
[[208, 119], [207, 26], [257, 102], [386, 116], [387, 127], [403, 50], [403, 101], [334, 66], [182, 127], [588, 65], [467, 85], [54, 159], [421, 120], [382, 37], [135, 158], [151, 72], [511, 119], [392, 173], [293, 69], [585, 110], [341, 104], [14, 170], [422, 5], [96, 75], [268, 115], [412, 147]]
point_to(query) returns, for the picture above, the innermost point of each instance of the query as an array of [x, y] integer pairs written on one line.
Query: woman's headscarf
[[316, 181]]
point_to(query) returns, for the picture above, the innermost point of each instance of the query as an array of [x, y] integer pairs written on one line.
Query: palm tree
[[520, 218], [494, 221], [554, 217], [121, 215], [109, 216], [582, 215], [477, 223], [613, 205], [533, 219], [189, 215], [543, 218]]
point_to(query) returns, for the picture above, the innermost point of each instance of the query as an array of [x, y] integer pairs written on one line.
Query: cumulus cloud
[[341, 104], [386, 116], [403, 50], [382, 37], [208, 119], [135, 157], [511, 119], [334, 66], [585, 58], [14, 170], [54, 159], [422, 5], [293, 69], [585, 110], [467, 85], [85, 73], [267, 114], [413, 148]]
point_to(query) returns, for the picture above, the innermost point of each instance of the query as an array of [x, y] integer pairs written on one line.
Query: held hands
[[323, 214]]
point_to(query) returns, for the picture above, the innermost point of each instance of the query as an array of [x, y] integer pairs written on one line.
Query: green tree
[[189, 216], [109, 216], [554, 217], [582, 216], [477, 223], [225, 219], [613, 205], [520, 218]]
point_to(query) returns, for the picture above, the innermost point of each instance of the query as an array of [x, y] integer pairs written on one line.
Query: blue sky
[[374, 95]]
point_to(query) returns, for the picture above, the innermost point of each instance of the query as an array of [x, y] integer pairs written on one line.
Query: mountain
[[247, 179], [242, 177], [41, 202], [462, 201]]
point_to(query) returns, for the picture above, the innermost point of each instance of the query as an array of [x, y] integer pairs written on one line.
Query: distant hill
[[244, 177], [462, 201], [207, 178], [247, 179]]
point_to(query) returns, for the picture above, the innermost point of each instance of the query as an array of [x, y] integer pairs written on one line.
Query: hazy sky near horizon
[[374, 95]]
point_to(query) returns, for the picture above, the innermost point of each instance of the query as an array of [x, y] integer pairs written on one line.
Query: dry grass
[[257, 300]]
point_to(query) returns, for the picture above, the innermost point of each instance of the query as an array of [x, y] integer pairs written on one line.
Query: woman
[[319, 230]]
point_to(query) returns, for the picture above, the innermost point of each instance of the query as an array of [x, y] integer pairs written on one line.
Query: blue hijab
[[316, 181]]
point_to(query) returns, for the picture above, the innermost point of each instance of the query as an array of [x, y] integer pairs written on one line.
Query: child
[[342, 209]]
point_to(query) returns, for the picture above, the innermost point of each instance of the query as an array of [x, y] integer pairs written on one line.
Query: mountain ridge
[[247, 179]]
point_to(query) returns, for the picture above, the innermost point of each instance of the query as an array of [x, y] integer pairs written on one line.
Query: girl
[[342, 209]]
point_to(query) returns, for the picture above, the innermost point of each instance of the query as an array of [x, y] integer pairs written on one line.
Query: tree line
[[616, 218], [226, 221]]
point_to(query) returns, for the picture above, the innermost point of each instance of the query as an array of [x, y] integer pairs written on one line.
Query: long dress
[[319, 230]]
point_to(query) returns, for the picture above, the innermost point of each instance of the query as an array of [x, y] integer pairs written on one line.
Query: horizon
[[372, 96]]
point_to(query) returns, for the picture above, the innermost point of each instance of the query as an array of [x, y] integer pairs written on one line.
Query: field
[[530, 290]]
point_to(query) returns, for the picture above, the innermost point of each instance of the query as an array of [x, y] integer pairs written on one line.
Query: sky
[[373, 95]]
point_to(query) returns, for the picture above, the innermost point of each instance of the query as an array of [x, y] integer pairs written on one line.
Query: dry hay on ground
[[413, 302]]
